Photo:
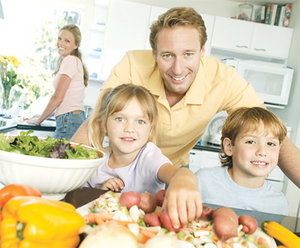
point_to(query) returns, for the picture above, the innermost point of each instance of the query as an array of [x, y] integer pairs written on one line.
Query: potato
[[249, 223], [129, 199], [152, 219], [147, 203], [225, 223], [160, 196], [166, 221]]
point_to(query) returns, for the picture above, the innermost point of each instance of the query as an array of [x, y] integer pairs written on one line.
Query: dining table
[[82, 196]]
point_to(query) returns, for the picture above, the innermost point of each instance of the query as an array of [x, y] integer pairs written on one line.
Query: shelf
[[266, 1], [98, 27]]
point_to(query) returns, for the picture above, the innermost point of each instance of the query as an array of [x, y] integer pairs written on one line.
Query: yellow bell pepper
[[33, 222]]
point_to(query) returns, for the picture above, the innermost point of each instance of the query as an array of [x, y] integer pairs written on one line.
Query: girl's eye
[[119, 119], [141, 122]]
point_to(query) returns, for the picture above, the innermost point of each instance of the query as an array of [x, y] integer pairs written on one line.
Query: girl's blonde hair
[[77, 38], [249, 119], [114, 100]]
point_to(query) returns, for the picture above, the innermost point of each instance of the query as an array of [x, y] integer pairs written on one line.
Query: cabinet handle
[[241, 46], [260, 49], [192, 153]]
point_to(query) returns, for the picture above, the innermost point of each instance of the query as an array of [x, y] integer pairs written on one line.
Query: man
[[190, 88]]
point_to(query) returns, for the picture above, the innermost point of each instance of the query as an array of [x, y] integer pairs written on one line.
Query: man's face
[[178, 57]]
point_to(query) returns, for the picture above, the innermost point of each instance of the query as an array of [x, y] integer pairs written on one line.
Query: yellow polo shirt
[[216, 87]]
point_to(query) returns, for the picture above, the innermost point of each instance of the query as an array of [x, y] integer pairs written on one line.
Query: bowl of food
[[52, 166]]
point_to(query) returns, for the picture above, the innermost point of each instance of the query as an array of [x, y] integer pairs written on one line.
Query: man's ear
[[202, 51], [227, 146], [154, 55]]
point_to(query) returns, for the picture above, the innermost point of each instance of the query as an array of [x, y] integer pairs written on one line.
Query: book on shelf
[[267, 13], [277, 17], [287, 15], [281, 16], [273, 13]]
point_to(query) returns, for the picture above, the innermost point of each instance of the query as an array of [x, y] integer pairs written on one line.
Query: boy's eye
[[271, 144], [250, 142]]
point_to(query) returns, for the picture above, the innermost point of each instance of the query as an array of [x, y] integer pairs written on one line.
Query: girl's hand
[[113, 184], [184, 203]]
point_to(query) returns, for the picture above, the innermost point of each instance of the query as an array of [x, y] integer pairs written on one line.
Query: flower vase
[[6, 101]]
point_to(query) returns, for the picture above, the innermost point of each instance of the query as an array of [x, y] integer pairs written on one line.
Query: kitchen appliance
[[272, 81]]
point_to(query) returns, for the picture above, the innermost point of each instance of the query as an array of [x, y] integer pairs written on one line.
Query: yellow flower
[[2, 59], [14, 60]]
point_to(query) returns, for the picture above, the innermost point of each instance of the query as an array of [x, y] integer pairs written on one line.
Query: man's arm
[[289, 161], [81, 136]]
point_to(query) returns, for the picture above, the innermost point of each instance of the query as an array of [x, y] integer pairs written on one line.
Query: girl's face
[[128, 130], [65, 43], [254, 155]]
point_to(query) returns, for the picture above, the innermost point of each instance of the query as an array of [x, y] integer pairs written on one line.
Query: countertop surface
[[7, 124]]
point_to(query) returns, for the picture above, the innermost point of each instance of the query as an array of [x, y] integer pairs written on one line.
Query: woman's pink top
[[74, 97]]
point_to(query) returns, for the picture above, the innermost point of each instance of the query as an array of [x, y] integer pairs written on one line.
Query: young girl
[[127, 115], [70, 81], [250, 145]]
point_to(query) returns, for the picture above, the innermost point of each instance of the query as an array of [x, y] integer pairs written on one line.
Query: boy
[[250, 144]]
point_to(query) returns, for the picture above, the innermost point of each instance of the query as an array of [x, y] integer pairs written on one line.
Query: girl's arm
[[183, 198], [55, 100]]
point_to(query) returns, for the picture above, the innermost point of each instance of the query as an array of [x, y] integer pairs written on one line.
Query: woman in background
[[71, 78]]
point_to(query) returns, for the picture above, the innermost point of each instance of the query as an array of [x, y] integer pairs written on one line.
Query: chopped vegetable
[[27, 144]]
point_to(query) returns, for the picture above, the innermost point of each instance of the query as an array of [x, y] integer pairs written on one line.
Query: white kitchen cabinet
[[126, 29], [251, 38]]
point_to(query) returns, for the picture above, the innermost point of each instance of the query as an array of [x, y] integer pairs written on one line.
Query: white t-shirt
[[74, 97], [218, 188], [139, 176]]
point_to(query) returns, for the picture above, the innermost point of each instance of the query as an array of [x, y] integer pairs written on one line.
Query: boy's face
[[254, 154]]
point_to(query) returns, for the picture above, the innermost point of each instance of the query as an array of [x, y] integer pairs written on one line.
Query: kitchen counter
[[13, 127]]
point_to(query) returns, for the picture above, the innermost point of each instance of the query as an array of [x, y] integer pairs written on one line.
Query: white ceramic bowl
[[52, 177]]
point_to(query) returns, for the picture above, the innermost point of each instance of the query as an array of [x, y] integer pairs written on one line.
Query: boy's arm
[[183, 198], [289, 158]]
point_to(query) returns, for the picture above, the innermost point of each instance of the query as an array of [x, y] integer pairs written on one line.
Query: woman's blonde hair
[[77, 38], [179, 16], [249, 119], [114, 100]]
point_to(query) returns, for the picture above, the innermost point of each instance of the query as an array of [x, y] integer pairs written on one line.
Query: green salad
[[27, 144]]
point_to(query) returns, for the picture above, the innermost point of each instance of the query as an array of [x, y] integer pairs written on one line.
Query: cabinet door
[[203, 159], [271, 41], [126, 29], [209, 22], [231, 34]]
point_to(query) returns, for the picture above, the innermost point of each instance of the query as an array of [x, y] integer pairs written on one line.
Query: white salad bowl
[[51, 176]]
